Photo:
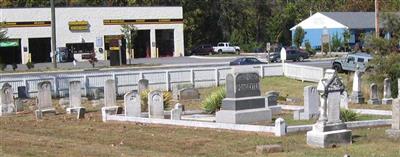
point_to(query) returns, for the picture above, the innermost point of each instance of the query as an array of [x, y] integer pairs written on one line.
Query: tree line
[[248, 23]]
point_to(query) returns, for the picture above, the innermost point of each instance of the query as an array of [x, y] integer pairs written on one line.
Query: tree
[[346, 40], [298, 36], [129, 32]]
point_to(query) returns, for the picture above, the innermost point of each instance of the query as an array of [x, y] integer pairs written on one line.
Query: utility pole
[[53, 33], [377, 18]]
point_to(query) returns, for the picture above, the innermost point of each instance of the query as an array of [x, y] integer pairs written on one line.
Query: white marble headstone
[[6, 99], [156, 104], [75, 99], [110, 94], [132, 104]]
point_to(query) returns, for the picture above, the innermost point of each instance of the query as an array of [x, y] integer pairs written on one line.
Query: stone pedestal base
[[79, 110], [374, 101], [243, 116], [387, 101], [7, 109], [357, 98], [393, 133], [328, 139], [110, 110], [301, 115], [40, 113], [275, 109]]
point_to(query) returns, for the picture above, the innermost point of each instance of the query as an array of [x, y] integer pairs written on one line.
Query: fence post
[[192, 77], [141, 75], [216, 77], [26, 87], [116, 83], [55, 86], [86, 85], [167, 80], [261, 71]]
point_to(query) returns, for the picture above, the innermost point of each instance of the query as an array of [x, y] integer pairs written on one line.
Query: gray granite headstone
[[143, 84], [132, 104], [188, 94], [387, 93], [177, 87], [44, 95], [156, 104], [242, 85], [311, 104], [22, 92], [75, 91], [271, 98], [110, 94], [6, 100], [373, 94]]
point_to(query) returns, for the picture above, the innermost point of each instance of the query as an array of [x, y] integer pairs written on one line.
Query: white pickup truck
[[225, 47]]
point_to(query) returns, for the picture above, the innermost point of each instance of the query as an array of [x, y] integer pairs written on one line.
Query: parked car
[[246, 61], [351, 62], [291, 54], [204, 49], [226, 47]]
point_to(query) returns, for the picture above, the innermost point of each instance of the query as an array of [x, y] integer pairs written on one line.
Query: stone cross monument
[[329, 129]]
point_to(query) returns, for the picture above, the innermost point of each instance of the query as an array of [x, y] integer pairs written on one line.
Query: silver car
[[351, 62]]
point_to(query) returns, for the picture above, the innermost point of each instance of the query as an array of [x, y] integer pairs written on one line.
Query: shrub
[[14, 66], [30, 65], [348, 115], [212, 102], [309, 49], [167, 96]]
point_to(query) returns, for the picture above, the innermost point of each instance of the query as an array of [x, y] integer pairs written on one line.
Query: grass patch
[[21, 135]]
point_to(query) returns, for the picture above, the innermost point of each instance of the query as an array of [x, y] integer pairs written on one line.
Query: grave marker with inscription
[[243, 103], [6, 100]]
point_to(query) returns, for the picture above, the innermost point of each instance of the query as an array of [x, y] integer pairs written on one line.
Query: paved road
[[168, 61]]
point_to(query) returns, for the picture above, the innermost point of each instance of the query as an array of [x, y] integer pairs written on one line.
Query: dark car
[[291, 54], [204, 49], [246, 61]]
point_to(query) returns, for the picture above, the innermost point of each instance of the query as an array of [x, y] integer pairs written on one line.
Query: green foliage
[[309, 49], [346, 40], [129, 31], [336, 42], [385, 66], [212, 102], [167, 97], [30, 65], [298, 36], [348, 115]]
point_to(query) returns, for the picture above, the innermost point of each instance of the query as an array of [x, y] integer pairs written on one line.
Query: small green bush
[[2, 66], [213, 102], [167, 96], [348, 115], [30, 65]]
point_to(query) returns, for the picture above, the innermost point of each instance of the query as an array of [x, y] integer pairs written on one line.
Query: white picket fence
[[163, 79]]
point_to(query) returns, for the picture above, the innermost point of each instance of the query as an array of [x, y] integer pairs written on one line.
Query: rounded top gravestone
[[240, 85]]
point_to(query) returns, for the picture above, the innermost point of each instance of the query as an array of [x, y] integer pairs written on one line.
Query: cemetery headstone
[[156, 104], [344, 100], [44, 102], [271, 98], [110, 100], [143, 84], [280, 127], [22, 92], [7, 105], [177, 87], [329, 130], [132, 104], [179, 106], [357, 96], [97, 93], [373, 94], [188, 94], [387, 93], [311, 104], [394, 132], [176, 114], [243, 103], [75, 99]]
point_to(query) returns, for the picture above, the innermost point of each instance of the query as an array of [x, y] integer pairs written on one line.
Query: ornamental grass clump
[[348, 115], [167, 97], [212, 103]]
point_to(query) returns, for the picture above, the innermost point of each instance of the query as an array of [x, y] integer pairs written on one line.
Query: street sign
[[283, 54]]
